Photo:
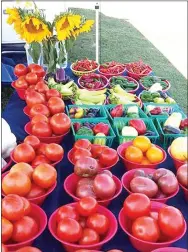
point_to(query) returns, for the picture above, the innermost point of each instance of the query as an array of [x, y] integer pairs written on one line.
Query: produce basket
[[165, 139], [80, 73], [101, 114], [147, 87], [108, 140], [121, 122], [125, 107]]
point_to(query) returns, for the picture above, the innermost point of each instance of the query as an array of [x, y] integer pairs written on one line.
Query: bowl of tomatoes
[[137, 70], [85, 66], [93, 81], [22, 222], [110, 69], [86, 225], [150, 225], [182, 175]]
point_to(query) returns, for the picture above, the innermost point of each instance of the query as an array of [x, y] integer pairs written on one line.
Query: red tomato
[[67, 212], [39, 118], [98, 222], [28, 249], [87, 206], [29, 89], [146, 229], [108, 157], [52, 93], [60, 123], [41, 129], [54, 152], [82, 143], [21, 83], [24, 229], [4, 248], [82, 222], [38, 70], [33, 141], [86, 167], [24, 153], [7, 229], [23, 168], [96, 150], [40, 159], [136, 205], [69, 230], [27, 206], [39, 109], [182, 175], [89, 237], [41, 87], [44, 175], [56, 105], [31, 78], [20, 70], [30, 66], [36, 191], [171, 221], [41, 149], [83, 191], [33, 98], [78, 153], [12, 207]]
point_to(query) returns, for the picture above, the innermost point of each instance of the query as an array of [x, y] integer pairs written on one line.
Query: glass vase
[[34, 53]]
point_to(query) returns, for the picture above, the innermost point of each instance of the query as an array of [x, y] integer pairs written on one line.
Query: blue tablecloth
[[15, 117]]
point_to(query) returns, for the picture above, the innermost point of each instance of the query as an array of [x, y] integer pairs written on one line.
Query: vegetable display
[[121, 111], [126, 84], [156, 97], [91, 129], [93, 81], [85, 65], [149, 81], [158, 110], [112, 68]]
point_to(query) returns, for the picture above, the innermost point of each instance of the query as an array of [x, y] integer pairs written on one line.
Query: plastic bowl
[[108, 76], [94, 89], [164, 90], [137, 76], [131, 165], [128, 176], [37, 200], [52, 139], [177, 163], [129, 79], [170, 249], [71, 181], [80, 73], [71, 247], [144, 246], [5, 167], [70, 158], [40, 216], [20, 91]]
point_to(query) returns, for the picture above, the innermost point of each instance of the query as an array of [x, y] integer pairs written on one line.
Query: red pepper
[[77, 126], [139, 125], [184, 123], [101, 128], [156, 111], [117, 111]]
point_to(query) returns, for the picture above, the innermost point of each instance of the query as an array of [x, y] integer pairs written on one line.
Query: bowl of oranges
[[141, 153]]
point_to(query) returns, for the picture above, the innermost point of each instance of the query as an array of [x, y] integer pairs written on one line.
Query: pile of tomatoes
[[152, 226], [25, 181], [33, 152]]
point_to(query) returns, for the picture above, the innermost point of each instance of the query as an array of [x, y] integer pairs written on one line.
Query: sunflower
[[34, 29], [85, 27], [15, 19]]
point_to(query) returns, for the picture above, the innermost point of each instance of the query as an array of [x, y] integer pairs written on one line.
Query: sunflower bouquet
[[48, 42]]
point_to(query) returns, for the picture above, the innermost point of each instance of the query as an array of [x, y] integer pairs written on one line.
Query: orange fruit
[[133, 154], [22, 167], [142, 142], [145, 161], [154, 155]]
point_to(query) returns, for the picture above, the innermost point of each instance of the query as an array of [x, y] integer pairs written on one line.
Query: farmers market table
[[15, 117]]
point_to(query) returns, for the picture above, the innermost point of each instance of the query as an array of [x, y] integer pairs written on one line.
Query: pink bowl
[[111, 75], [170, 249], [9, 162], [138, 76], [20, 91], [71, 181], [101, 76], [131, 165], [71, 247], [177, 163], [144, 246], [129, 79], [37, 200], [40, 216], [52, 139], [185, 190], [164, 90], [128, 176], [70, 158]]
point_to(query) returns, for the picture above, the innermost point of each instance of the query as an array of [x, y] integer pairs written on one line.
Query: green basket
[[108, 139], [109, 107], [121, 122], [165, 139], [102, 111]]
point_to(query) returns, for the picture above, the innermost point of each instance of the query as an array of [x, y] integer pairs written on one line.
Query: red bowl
[[37, 200], [131, 165], [52, 139], [170, 249], [137, 76], [177, 163], [128, 176], [129, 79], [144, 246], [40, 216], [111, 75], [164, 90], [71, 247], [20, 91], [70, 158], [101, 76], [9, 162], [71, 181], [185, 190]]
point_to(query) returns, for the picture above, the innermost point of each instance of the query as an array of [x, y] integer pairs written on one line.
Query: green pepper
[[85, 131], [155, 95], [146, 96]]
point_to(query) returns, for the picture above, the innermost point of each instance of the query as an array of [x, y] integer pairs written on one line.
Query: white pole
[[97, 31]]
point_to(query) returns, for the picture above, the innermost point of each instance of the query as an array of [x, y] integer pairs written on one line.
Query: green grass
[[120, 41]]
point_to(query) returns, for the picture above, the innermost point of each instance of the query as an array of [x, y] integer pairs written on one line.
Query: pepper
[[156, 111], [117, 111], [79, 113], [139, 125], [100, 139], [184, 123], [77, 126], [101, 128]]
